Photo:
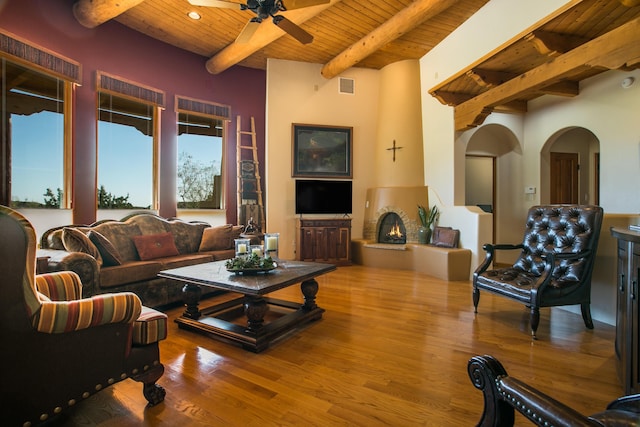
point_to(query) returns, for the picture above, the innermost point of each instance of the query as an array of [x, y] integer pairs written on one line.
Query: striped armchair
[[58, 348]]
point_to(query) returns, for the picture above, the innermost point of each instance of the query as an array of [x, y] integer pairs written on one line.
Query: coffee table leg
[[191, 296], [309, 291], [255, 309]]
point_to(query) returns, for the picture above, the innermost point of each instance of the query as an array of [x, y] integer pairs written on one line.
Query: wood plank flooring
[[391, 350]]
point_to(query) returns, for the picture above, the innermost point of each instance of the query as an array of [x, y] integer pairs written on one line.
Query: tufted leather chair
[[59, 348], [555, 262], [504, 394]]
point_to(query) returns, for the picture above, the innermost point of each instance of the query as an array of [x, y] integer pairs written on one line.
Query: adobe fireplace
[[391, 215]]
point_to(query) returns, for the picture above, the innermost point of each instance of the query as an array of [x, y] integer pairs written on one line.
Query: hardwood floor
[[391, 350]]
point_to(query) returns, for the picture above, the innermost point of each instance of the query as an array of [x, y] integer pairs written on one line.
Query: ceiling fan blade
[[248, 30], [292, 29], [299, 4], [216, 3]]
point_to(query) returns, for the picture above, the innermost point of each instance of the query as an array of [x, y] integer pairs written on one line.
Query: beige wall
[[400, 120], [297, 93]]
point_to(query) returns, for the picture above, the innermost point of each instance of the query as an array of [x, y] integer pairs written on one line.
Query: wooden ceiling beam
[[567, 88], [614, 50], [554, 44], [91, 13], [489, 78], [512, 107], [401, 23], [451, 98], [266, 33]]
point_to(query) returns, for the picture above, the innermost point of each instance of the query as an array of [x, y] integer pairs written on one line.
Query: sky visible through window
[[125, 163], [125, 158], [37, 154]]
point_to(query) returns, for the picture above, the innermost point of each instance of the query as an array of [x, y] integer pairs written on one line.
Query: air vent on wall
[[347, 86]]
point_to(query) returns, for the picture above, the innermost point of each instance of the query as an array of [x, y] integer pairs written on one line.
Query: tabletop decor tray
[[252, 264], [248, 271]]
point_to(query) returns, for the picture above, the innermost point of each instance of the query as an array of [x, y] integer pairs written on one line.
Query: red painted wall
[[114, 49]]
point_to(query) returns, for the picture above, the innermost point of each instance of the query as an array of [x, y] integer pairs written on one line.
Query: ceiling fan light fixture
[[194, 15]]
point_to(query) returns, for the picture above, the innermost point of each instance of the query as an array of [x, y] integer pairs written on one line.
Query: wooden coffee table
[[257, 334]]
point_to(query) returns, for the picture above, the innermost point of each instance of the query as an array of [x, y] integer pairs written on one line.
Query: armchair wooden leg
[[154, 393], [476, 299], [535, 321], [586, 315]]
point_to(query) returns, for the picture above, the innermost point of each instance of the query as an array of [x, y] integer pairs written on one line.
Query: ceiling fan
[[263, 10]]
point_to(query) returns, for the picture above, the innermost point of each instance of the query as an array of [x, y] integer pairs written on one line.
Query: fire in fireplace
[[392, 229]]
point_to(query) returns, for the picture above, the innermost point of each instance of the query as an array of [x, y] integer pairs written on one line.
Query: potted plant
[[427, 217]]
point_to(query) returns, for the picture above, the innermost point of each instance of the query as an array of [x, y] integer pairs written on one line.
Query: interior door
[[564, 178]]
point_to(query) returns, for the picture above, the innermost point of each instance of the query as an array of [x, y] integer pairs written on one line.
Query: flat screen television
[[323, 196]]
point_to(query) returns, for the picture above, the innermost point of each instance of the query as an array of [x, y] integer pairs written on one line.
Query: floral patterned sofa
[[127, 254]]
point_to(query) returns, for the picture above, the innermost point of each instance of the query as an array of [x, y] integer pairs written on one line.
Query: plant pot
[[424, 235]]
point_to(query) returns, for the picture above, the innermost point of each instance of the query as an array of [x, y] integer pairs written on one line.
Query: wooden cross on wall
[[394, 148]]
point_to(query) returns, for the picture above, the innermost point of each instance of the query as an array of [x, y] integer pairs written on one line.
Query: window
[[201, 152], [35, 138], [200, 155], [126, 153]]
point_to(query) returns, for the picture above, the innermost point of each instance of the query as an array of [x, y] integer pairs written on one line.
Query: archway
[[493, 151], [580, 144]]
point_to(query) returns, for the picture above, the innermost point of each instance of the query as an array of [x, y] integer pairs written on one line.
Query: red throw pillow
[[155, 246]]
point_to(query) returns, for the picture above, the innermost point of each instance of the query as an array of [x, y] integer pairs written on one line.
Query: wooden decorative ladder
[[249, 186]]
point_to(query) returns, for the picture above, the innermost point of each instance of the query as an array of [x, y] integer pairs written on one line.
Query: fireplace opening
[[392, 229]]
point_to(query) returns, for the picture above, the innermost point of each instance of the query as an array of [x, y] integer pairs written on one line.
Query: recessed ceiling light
[[628, 82], [194, 15]]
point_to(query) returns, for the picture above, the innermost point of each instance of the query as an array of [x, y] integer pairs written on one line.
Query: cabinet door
[[344, 243], [622, 326], [307, 244], [634, 318], [320, 246]]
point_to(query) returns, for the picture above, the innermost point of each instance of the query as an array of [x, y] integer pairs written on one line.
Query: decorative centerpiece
[[250, 264]]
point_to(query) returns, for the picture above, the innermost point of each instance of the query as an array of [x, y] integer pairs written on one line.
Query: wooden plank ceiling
[[335, 27], [576, 42]]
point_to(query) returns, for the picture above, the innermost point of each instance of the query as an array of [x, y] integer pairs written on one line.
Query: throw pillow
[[236, 231], [54, 240], [155, 246], [445, 237], [76, 241], [216, 238], [109, 253]]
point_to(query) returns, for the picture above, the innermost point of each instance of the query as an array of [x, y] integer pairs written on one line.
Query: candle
[[272, 243], [256, 251], [242, 248]]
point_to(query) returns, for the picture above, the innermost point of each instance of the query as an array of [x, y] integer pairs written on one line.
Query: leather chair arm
[[551, 262], [490, 250], [507, 246], [503, 395]]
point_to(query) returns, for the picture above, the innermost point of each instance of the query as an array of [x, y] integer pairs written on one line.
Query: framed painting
[[322, 151]]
